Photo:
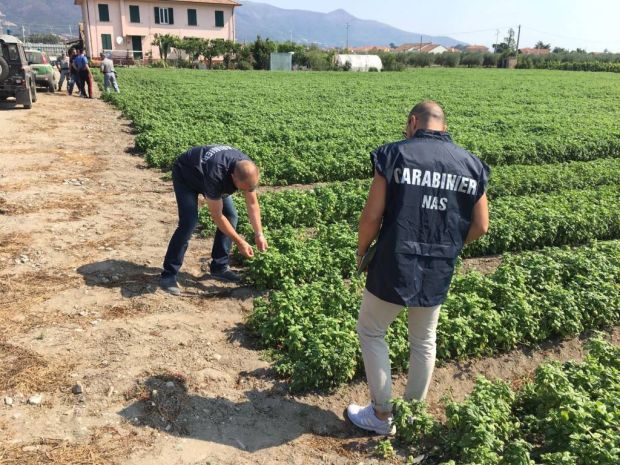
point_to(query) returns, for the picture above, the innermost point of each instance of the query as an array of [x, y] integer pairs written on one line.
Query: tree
[[165, 42], [261, 52], [559, 50], [42, 38], [508, 46], [192, 46], [212, 48], [542, 46], [231, 51]]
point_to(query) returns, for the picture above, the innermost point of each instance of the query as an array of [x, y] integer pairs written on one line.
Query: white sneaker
[[365, 418]]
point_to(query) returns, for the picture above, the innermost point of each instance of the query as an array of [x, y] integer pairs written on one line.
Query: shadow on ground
[[135, 280], [265, 419]]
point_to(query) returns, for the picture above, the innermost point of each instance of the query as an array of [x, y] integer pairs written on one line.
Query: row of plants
[[318, 127], [567, 414], [309, 329], [343, 201], [517, 224]]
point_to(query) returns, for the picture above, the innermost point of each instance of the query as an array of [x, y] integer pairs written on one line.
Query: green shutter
[[192, 19], [156, 15], [219, 19], [104, 12], [134, 13], [106, 41], [170, 16]]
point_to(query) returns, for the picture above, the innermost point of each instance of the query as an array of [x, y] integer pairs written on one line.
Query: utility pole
[[420, 49], [496, 40], [347, 48], [518, 39], [23, 33]]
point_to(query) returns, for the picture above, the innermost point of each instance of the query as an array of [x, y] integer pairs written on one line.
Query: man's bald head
[[428, 115], [246, 175]]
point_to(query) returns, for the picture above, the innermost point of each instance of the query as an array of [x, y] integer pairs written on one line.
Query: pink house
[[130, 26]]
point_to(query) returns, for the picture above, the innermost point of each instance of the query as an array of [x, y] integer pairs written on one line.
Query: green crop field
[[553, 141], [309, 127]]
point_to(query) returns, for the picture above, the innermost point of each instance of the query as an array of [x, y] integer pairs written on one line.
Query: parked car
[[16, 78], [43, 69]]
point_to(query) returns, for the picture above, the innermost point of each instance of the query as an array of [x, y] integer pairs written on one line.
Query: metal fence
[[51, 49]]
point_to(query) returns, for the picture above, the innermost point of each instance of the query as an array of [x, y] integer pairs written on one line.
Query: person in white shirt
[[109, 75]]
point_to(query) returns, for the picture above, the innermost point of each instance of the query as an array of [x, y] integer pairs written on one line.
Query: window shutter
[[156, 15], [134, 13], [170, 16], [106, 41], [192, 19], [104, 12], [219, 19]]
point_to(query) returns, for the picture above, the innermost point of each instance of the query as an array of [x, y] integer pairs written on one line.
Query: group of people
[[426, 201], [74, 68]]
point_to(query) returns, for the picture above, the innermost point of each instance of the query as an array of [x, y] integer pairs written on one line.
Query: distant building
[[534, 51], [360, 62], [370, 48], [476, 49], [424, 47], [130, 26]]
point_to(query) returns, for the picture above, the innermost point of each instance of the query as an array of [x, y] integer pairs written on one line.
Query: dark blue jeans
[[187, 202]]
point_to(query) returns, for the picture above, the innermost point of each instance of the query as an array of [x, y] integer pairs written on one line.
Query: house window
[[219, 19], [164, 15], [134, 13], [104, 12], [106, 41], [192, 19]]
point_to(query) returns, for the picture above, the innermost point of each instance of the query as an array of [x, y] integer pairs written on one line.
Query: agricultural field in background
[[313, 127], [553, 141]]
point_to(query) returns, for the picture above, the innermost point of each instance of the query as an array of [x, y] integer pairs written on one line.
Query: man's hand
[[245, 249], [261, 242]]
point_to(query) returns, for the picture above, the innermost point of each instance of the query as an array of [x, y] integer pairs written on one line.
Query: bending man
[[215, 171], [426, 201]]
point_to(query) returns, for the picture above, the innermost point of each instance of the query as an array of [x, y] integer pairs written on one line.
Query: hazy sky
[[590, 24]]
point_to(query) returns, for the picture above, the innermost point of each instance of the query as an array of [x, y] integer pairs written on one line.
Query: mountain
[[41, 15], [326, 29]]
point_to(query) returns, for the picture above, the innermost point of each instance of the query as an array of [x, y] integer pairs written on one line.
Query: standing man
[[81, 65], [215, 171], [426, 201], [73, 72], [109, 75], [63, 66]]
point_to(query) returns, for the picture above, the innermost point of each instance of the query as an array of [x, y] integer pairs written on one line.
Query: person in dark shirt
[[85, 77], [426, 201], [73, 73], [215, 171]]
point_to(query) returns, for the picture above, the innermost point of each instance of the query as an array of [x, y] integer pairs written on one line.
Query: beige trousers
[[375, 317]]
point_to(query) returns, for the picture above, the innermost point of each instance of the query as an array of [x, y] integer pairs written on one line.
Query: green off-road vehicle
[[16, 77]]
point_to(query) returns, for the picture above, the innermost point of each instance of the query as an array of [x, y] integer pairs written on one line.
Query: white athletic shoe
[[365, 418]]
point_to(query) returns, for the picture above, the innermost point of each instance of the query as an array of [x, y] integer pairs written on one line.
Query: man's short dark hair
[[246, 171], [428, 111]]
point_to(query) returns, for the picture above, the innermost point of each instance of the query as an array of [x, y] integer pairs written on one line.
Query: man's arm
[[372, 215], [216, 209], [251, 202], [479, 220]]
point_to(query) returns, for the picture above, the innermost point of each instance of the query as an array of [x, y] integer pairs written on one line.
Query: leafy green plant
[[311, 127]]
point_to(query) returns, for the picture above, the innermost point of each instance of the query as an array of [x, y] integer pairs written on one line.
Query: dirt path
[[83, 227]]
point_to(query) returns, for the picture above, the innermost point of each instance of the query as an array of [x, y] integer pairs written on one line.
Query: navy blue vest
[[433, 186]]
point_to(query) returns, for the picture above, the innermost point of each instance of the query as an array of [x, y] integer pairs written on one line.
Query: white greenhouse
[[360, 62]]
